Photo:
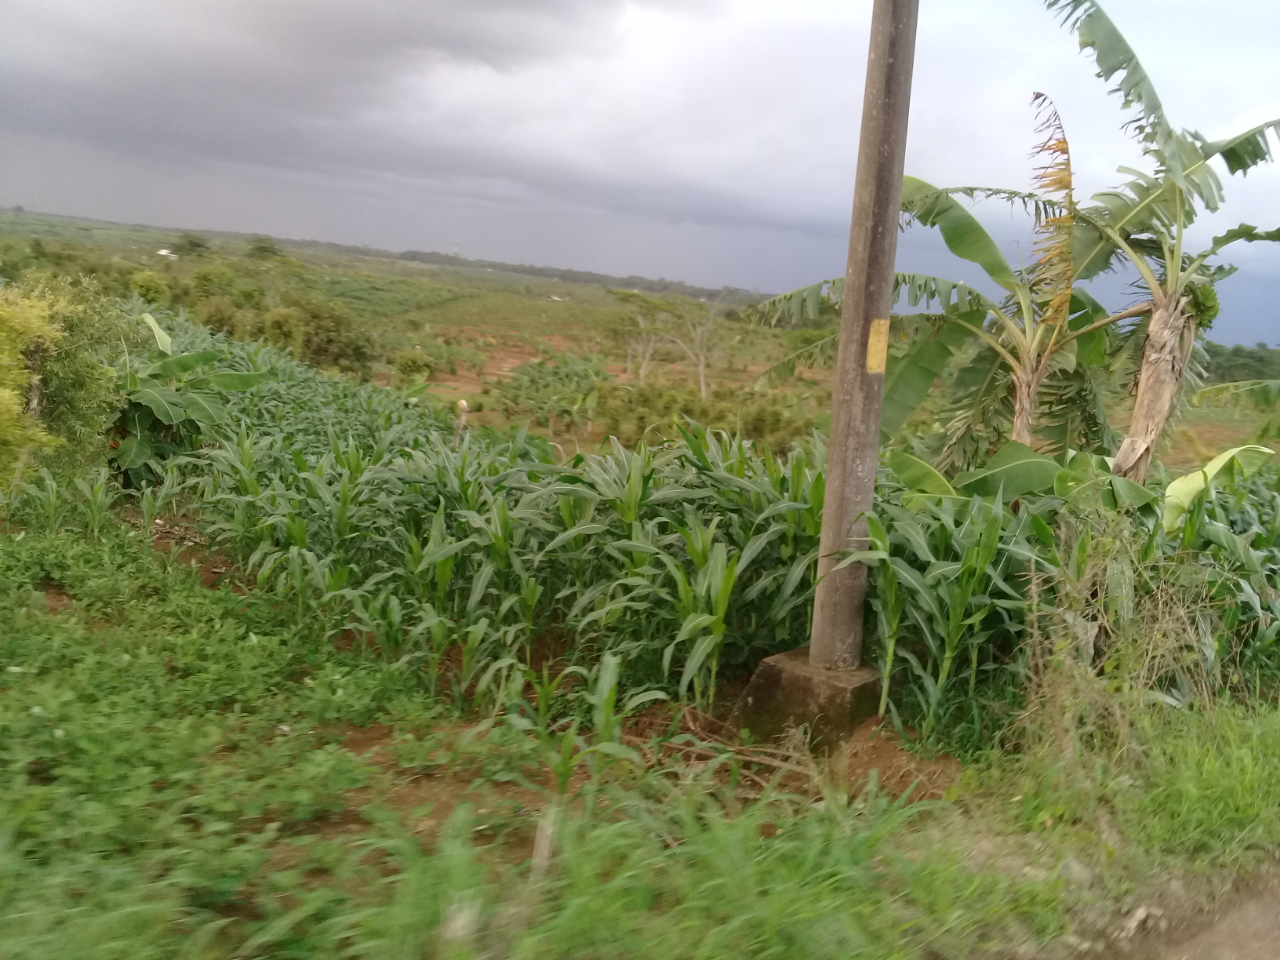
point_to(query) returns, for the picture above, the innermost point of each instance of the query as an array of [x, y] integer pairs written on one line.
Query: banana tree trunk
[[1170, 337], [1025, 387]]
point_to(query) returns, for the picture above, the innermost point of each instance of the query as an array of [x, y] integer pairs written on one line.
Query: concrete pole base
[[786, 691]]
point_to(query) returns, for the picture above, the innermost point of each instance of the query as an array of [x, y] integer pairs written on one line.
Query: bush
[[24, 330], [55, 342], [217, 313], [214, 280], [263, 248], [656, 411], [319, 332], [80, 395], [150, 286], [413, 364], [191, 245], [560, 388]]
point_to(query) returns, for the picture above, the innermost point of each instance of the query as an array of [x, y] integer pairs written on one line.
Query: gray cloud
[[708, 139]]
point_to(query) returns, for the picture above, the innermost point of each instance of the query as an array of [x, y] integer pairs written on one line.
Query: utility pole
[[825, 689], [836, 639]]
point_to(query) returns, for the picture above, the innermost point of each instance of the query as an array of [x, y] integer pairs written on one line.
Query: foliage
[[173, 788], [24, 328], [659, 411], [560, 389], [191, 244], [317, 331], [263, 248], [150, 286], [380, 524], [953, 576], [1231, 364], [169, 404], [1145, 223], [58, 339]]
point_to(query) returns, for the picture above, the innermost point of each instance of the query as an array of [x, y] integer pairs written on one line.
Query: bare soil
[[1243, 927]]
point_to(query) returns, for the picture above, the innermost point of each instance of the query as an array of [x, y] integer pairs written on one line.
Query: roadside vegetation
[[301, 658]]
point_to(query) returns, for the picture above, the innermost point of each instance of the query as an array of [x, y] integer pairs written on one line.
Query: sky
[[710, 141]]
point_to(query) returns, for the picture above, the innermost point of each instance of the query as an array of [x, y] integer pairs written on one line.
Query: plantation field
[[396, 689]]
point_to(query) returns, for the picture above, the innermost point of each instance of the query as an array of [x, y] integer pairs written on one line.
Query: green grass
[[171, 768], [1209, 785]]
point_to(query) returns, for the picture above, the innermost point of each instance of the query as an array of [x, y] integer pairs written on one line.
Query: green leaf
[[909, 377], [181, 364], [1245, 150], [1113, 55], [918, 476], [204, 407], [163, 401], [960, 229], [163, 341], [231, 380], [1016, 469], [1185, 491], [133, 452], [1130, 494]]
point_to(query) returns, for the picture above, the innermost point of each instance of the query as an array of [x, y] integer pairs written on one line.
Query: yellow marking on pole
[[878, 346]]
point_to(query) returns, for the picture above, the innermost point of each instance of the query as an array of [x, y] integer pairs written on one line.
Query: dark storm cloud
[[248, 78], [710, 140], [293, 84]]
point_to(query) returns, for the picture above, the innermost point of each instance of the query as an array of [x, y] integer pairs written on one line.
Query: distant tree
[[318, 331], [150, 286], [263, 248], [1227, 364], [642, 331], [19, 209], [693, 329], [249, 295], [191, 245], [215, 280]]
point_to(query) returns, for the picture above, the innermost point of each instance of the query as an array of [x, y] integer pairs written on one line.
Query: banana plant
[[1145, 222], [169, 404], [1042, 326]]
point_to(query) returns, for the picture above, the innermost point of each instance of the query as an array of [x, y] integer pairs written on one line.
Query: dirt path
[[1245, 930]]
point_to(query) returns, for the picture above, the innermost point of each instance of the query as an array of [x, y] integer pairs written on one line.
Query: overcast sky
[[711, 141]]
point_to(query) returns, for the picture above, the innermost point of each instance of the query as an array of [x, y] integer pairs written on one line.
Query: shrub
[[217, 313], [263, 248], [150, 286], [24, 329], [80, 395], [559, 388], [214, 280], [248, 295], [656, 411], [191, 245], [286, 327], [319, 332], [413, 364]]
